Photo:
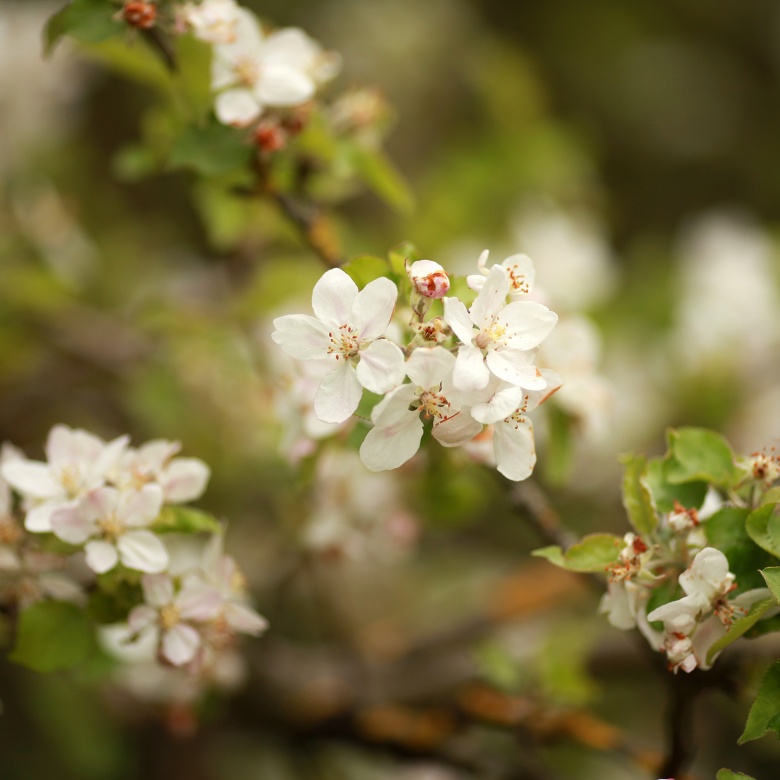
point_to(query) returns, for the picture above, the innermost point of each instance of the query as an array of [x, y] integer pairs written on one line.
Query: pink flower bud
[[429, 279]]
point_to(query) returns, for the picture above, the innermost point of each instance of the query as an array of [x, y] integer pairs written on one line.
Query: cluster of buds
[[105, 508], [469, 368]]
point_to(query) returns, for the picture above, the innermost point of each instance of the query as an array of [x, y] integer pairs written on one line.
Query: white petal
[[199, 602], [72, 525], [428, 367], [282, 85], [528, 323], [32, 479], [141, 617], [500, 406], [38, 519], [338, 395], [475, 281], [538, 397], [491, 298], [456, 430], [290, 46], [237, 107], [140, 507], [482, 262], [333, 297], [301, 336], [470, 371], [381, 366], [522, 270], [180, 644], [514, 368], [456, 315], [185, 479], [143, 551], [158, 589], [514, 447], [388, 447], [373, 308], [100, 504], [244, 619], [101, 556], [107, 458]]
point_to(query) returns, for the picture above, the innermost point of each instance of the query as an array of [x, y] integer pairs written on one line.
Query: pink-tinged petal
[[199, 603], [156, 453], [282, 85], [470, 371], [500, 406], [393, 409], [101, 556], [512, 367], [32, 478], [244, 619], [38, 519], [373, 308], [100, 504], [185, 479], [388, 447], [237, 107], [381, 366], [109, 456], [72, 525], [428, 367], [140, 507], [338, 395], [141, 617], [513, 443], [537, 397], [180, 644], [333, 297], [491, 298], [143, 551], [158, 589], [528, 323], [456, 315], [457, 429], [65, 445], [301, 336]]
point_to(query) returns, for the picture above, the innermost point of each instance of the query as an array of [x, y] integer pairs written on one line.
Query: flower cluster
[[467, 368], [105, 508]]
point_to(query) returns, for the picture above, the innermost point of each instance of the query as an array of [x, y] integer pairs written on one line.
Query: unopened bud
[[270, 136], [429, 279], [140, 14]]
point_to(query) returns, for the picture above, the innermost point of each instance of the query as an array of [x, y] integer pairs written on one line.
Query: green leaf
[[699, 454], [727, 774], [398, 255], [739, 627], [376, 171], [210, 150], [764, 715], [763, 526], [726, 531], [88, 21], [53, 635], [366, 268], [593, 553], [772, 577], [637, 498], [689, 494], [772, 496], [182, 519]]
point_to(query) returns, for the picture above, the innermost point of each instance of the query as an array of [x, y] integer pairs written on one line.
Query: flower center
[[431, 403], [70, 479], [344, 342], [492, 335], [518, 280], [517, 418], [111, 527], [169, 616], [246, 70]]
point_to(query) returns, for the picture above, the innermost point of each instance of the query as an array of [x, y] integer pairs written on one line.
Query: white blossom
[[519, 270], [347, 329], [212, 21]]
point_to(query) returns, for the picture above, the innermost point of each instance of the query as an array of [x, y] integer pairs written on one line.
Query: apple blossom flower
[[212, 21], [77, 463], [347, 329], [113, 523], [765, 466], [429, 278], [181, 479], [398, 425], [253, 71], [504, 335], [519, 270], [176, 618]]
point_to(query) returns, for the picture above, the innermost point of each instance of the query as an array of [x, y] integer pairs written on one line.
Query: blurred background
[[631, 150]]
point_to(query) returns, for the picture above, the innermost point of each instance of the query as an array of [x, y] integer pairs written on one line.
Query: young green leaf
[[763, 526], [727, 774], [665, 493], [699, 454], [88, 21], [53, 635], [764, 715], [185, 520], [378, 173], [210, 150], [637, 498], [593, 553], [772, 577], [366, 268]]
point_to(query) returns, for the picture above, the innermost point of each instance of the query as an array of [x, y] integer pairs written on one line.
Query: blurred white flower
[[212, 21]]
